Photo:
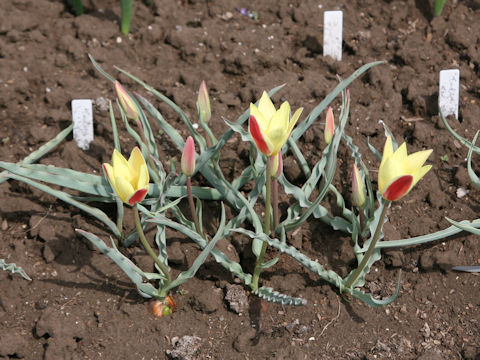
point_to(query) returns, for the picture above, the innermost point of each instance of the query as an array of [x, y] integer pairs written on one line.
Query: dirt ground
[[81, 306]]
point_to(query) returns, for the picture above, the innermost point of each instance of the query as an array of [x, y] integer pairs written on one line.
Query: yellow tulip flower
[[270, 128], [129, 178], [399, 172]]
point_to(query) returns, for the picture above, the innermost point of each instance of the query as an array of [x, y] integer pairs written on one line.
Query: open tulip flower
[[129, 178], [270, 128], [399, 172]]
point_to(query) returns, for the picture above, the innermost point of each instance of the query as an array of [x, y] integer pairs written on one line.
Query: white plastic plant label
[[82, 116], [332, 34], [449, 92]]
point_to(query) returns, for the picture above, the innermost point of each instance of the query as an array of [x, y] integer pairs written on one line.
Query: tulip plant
[[473, 226], [142, 184], [126, 12]]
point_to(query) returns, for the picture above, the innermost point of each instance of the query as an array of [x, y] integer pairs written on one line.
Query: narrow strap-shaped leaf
[[14, 269], [42, 150], [300, 158], [471, 269], [369, 300], [198, 138], [304, 125], [331, 164], [376, 254], [186, 275], [116, 139], [311, 265], [100, 70], [234, 267], [452, 230], [471, 173], [97, 213], [44, 173], [271, 295], [172, 133], [456, 136], [143, 147], [129, 268]]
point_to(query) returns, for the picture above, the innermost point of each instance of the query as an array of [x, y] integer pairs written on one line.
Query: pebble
[[4, 224]]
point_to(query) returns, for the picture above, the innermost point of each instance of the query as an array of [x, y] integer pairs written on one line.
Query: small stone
[[243, 341], [4, 225], [237, 299], [186, 348], [207, 301], [48, 253], [461, 192]]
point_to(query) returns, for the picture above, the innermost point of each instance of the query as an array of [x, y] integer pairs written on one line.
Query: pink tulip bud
[[126, 101], [188, 157], [329, 126], [277, 167], [203, 103], [358, 188]]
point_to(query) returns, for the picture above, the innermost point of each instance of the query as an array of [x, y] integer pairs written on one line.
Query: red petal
[[138, 196], [257, 136], [398, 188]]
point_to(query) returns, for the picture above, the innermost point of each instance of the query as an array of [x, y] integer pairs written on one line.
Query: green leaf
[[369, 300], [186, 275], [304, 125], [129, 268], [471, 173], [315, 267], [452, 230], [97, 213], [456, 136], [100, 70], [199, 140], [14, 269], [116, 139], [464, 226], [42, 150], [219, 256], [269, 294]]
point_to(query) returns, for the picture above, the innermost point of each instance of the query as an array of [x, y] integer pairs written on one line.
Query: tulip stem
[[358, 271], [362, 221], [148, 248], [266, 224], [192, 207], [276, 212]]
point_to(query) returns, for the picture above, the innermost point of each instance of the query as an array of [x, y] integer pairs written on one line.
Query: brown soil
[[81, 306]]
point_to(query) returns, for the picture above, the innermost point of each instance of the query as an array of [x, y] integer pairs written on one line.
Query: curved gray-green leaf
[[269, 294], [14, 269]]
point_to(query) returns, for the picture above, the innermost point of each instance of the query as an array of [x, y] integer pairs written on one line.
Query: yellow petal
[[135, 162], [123, 189], [400, 155], [387, 150], [279, 121], [418, 174], [109, 172], [143, 178], [294, 120], [388, 172], [416, 160], [261, 120], [121, 167], [266, 107]]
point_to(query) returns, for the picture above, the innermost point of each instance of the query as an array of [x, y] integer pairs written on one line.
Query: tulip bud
[[203, 103], [126, 101], [358, 188], [277, 167], [188, 157], [329, 126]]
